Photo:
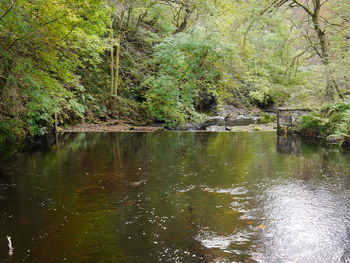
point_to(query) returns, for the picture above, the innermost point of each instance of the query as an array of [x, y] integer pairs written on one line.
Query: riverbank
[[110, 126], [120, 126], [228, 118]]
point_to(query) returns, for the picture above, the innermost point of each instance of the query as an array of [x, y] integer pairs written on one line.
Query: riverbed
[[176, 197]]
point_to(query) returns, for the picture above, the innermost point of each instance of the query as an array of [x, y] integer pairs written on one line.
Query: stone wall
[[288, 119]]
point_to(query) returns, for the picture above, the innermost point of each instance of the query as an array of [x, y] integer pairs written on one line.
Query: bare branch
[[303, 7], [12, 4], [314, 46], [324, 2]]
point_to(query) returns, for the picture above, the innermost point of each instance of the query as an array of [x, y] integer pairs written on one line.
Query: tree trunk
[[117, 67], [321, 35], [323, 53], [112, 58], [187, 14]]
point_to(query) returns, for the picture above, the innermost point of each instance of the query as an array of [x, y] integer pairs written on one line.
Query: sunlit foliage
[[169, 61]]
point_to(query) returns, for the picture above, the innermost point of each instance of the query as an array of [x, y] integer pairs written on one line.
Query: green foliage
[[47, 45], [332, 121], [11, 130], [129, 110], [311, 125], [185, 78], [342, 131], [261, 97], [266, 118], [334, 109], [178, 60]]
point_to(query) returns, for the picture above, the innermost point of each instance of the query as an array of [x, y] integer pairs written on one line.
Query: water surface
[[176, 197]]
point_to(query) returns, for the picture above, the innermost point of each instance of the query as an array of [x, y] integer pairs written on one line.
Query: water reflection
[[305, 222], [176, 197], [288, 144]]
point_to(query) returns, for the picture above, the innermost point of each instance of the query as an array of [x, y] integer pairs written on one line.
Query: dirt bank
[[111, 126], [120, 126]]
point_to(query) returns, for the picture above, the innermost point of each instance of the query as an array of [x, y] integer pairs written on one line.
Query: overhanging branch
[[12, 4]]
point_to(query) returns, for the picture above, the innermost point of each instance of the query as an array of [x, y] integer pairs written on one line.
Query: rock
[[346, 145], [230, 111], [102, 117], [193, 127], [240, 120], [332, 139], [215, 128], [213, 121], [187, 127], [113, 122]]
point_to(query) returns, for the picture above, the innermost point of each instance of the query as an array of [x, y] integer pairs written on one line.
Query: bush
[[261, 98], [342, 131], [266, 118], [11, 131], [310, 125], [330, 109], [332, 121], [128, 109], [186, 78]]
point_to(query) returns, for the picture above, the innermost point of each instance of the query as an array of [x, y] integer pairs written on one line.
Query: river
[[176, 197]]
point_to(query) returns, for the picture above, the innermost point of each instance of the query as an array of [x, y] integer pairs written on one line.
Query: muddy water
[[176, 197]]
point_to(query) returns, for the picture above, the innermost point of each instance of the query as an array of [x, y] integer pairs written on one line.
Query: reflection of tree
[[117, 195], [4, 178]]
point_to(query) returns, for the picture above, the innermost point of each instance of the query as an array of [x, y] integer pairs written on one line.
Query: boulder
[[215, 128], [346, 145], [213, 121]]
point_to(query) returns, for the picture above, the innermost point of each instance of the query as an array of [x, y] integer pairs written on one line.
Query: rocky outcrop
[[229, 121], [216, 128], [229, 117], [213, 121]]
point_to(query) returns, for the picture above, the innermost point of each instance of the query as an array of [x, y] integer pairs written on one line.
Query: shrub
[[342, 131], [11, 130], [310, 125], [261, 98], [266, 118], [186, 78], [330, 109], [332, 121]]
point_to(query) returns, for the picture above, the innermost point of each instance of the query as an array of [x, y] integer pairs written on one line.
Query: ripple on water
[[231, 191], [304, 223], [213, 240]]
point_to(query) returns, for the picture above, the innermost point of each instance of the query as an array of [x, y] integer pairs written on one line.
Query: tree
[[319, 41], [42, 46]]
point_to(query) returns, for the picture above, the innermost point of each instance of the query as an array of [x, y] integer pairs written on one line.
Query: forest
[[172, 62], [174, 131]]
